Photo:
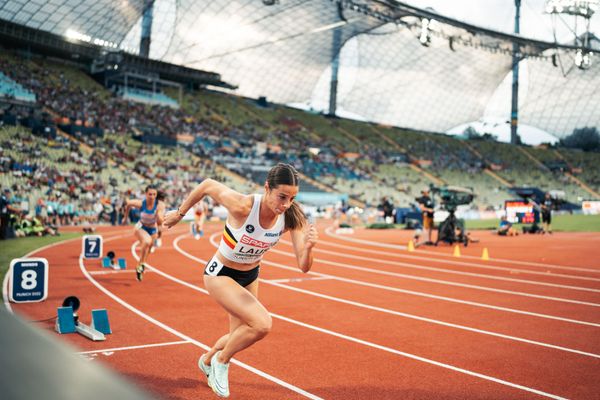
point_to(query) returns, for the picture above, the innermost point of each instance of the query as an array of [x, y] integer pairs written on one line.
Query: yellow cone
[[485, 255], [456, 251], [411, 246]]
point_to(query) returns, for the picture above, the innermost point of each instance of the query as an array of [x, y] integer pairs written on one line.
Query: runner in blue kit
[[255, 223], [146, 229]]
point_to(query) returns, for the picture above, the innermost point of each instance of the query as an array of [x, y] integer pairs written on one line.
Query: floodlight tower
[[581, 11], [516, 57], [146, 38]]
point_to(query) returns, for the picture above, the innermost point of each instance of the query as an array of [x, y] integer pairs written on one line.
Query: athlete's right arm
[[129, 204], [236, 203]]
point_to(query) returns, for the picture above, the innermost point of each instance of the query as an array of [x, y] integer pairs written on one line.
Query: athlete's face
[[280, 198], [151, 195]]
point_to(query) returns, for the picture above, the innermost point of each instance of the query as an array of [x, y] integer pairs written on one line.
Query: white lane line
[[291, 280], [328, 231], [142, 346], [443, 282], [429, 320], [122, 271], [449, 271], [398, 290], [275, 282], [187, 338], [8, 273], [450, 262], [373, 345]]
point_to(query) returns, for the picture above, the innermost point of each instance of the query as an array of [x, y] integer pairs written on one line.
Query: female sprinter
[[200, 210], [254, 225], [146, 230]]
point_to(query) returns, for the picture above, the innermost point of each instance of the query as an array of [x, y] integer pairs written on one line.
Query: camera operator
[[426, 207], [546, 208]]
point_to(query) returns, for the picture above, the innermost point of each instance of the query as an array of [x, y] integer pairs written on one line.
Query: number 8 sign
[[28, 280], [92, 246]]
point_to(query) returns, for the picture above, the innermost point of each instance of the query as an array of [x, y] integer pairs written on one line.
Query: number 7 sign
[[92, 246]]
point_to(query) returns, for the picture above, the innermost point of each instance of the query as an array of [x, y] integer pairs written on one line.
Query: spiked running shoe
[[203, 367], [218, 378], [139, 272]]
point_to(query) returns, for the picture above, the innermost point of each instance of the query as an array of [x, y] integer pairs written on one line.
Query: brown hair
[[285, 174]]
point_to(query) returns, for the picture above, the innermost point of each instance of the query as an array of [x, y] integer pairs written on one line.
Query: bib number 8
[[212, 267], [28, 279]]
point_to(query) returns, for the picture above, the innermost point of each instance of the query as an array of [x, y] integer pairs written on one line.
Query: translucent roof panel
[[391, 69], [107, 20]]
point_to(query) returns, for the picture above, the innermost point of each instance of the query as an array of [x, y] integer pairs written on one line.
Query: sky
[[499, 15]]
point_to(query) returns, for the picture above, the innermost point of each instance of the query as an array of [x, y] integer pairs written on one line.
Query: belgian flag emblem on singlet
[[228, 238]]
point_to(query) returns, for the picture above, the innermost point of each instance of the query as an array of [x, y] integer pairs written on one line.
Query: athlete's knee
[[263, 326], [147, 242]]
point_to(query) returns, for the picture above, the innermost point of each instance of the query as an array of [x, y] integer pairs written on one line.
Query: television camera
[[452, 230]]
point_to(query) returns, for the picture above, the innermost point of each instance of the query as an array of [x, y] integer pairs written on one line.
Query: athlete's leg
[[145, 243], [254, 320], [234, 323], [200, 230]]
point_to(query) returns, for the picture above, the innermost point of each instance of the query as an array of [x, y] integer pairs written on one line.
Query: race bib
[[213, 267]]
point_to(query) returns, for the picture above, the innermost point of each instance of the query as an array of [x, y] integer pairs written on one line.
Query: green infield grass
[[560, 223], [18, 247]]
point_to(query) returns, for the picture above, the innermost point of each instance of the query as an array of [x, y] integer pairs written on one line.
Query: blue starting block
[[122, 263], [100, 321], [106, 262], [65, 322]]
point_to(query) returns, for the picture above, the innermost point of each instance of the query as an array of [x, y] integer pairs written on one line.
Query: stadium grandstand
[[370, 100]]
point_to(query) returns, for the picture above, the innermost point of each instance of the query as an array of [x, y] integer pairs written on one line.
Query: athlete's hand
[[310, 236], [171, 218]]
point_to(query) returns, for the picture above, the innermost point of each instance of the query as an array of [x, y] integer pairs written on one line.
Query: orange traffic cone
[[485, 255], [456, 251]]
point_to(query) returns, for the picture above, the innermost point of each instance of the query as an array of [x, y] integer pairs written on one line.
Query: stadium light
[[583, 59], [582, 8], [425, 38]]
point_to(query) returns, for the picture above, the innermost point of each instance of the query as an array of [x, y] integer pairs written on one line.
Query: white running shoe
[[158, 242], [218, 378], [203, 367], [197, 236], [152, 249]]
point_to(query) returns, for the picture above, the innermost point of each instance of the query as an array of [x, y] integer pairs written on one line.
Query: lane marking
[[406, 315], [452, 262], [328, 232], [405, 291], [142, 346], [291, 280], [449, 271], [370, 344], [443, 282]]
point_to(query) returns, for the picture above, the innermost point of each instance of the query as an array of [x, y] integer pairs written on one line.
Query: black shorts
[[216, 268], [546, 217]]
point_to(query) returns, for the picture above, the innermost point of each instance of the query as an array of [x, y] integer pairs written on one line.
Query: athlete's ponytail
[[285, 174]]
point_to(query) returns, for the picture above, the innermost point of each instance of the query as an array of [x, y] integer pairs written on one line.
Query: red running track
[[371, 320]]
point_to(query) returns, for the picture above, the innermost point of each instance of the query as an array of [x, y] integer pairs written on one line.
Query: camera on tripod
[[453, 196], [452, 230]]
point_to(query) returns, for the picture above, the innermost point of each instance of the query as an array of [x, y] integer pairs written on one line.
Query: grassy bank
[[560, 223], [15, 248]]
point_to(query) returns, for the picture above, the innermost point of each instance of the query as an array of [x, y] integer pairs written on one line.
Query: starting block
[[100, 321], [67, 321], [107, 262]]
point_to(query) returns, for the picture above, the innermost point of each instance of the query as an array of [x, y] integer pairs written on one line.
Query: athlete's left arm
[[304, 239]]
